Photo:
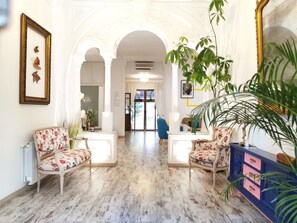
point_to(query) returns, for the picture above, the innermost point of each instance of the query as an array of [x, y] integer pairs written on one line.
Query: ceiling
[[136, 46], [142, 45]]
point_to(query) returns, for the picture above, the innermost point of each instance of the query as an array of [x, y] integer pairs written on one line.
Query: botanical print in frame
[[35, 63], [187, 89]]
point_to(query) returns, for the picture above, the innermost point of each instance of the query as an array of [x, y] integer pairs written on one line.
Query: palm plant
[[268, 101]]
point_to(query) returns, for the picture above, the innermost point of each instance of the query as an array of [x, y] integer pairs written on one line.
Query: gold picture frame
[[259, 29], [35, 63]]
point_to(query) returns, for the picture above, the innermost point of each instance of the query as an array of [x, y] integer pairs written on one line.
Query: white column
[[174, 124], [72, 89], [107, 116]]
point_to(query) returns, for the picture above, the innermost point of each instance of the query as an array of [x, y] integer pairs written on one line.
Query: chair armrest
[[81, 138], [57, 157], [203, 144], [78, 138]]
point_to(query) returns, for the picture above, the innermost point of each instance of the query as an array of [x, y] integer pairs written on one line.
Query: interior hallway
[[141, 188]]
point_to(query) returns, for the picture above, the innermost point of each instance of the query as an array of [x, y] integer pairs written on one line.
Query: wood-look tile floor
[[141, 188]]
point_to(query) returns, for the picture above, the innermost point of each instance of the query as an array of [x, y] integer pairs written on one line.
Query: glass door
[[150, 110], [139, 115], [127, 111], [144, 112]]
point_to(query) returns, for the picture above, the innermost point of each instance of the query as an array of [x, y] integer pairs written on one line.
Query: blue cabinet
[[250, 161]]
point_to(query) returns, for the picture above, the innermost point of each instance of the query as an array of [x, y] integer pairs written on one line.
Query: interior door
[[144, 112], [127, 111]]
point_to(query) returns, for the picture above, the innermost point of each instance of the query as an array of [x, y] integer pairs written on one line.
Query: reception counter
[[103, 146], [180, 145]]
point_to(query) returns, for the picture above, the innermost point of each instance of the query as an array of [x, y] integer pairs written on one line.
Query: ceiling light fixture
[[144, 79]]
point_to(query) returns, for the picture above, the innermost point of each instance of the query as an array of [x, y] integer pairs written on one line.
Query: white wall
[[18, 121], [167, 88], [80, 26], [118, 96]]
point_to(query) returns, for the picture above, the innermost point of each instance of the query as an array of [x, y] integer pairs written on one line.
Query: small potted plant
[[91, 117]]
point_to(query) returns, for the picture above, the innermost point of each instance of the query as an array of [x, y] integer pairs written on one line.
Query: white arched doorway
[[142, 54]]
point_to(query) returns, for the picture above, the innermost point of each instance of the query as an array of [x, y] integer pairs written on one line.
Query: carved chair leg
[[38, 182], [227, 172], [190, 168], [61, 183], [213, 178], [90, 165]]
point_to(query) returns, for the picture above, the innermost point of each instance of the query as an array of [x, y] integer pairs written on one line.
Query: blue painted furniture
[[248, 160], [162, 129]]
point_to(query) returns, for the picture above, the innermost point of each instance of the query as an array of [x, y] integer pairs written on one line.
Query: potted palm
[[269, 102]]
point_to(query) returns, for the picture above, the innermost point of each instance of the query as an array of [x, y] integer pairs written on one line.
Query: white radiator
[[30, 164]]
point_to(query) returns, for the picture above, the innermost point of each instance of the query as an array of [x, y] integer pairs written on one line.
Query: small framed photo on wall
[[187, 89]]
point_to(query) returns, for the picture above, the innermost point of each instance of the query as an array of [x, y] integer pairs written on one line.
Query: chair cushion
[[49, 139], [223, 135], [208, 157], [202, 144], [203, 157], [68, 158]]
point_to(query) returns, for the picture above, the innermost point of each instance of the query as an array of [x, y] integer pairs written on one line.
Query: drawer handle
[[251, 188], [252, 160], [253, 176]]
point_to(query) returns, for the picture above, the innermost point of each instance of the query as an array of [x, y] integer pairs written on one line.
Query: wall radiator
[[30, 164]]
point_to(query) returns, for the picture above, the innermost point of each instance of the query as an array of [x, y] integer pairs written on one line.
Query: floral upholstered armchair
[[54, 155], [211, 155]]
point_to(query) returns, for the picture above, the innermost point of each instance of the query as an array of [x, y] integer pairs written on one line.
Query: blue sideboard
[[249, 161]]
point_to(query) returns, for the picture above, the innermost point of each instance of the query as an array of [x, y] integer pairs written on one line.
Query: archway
[[142, 54]]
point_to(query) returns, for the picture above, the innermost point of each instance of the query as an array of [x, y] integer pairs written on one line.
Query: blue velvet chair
[[162, 129]]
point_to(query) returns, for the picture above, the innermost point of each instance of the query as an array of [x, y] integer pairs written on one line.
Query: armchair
[[162, 129], [211, 155], [54, 155]]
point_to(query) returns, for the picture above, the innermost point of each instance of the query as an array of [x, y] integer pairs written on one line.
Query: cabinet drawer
[[253, 161], [250, 173], [252, 188]]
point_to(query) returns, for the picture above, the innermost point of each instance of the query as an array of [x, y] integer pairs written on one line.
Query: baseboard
[[16, 194]]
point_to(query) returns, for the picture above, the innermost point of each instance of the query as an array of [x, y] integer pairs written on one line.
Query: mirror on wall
[[275, 23]]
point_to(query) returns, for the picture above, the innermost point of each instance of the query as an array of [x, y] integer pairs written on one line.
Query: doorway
[[144, 111], [127, 111]]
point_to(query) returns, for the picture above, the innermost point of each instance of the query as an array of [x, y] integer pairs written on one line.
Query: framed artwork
[[35, 63], [199, 99], [187, 89]]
